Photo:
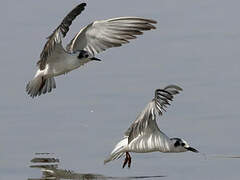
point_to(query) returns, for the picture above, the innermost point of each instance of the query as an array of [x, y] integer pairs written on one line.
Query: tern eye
[[183, 144], [83, 54]]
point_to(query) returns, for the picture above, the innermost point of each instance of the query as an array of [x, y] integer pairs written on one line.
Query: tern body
[[58, 65], [89, 41], [144, 135]]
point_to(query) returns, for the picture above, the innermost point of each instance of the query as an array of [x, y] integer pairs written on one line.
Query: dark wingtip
[[174, 87], [67, 21], [82, 5], [153, 21]]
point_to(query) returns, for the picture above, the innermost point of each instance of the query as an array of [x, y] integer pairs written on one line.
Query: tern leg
[[128, 160], [125, 161]]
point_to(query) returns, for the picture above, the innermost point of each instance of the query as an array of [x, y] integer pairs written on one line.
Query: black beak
[[192, 149], [95, 59]]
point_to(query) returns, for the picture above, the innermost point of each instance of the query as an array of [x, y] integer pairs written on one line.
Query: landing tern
[[144, 135], [94, 38]]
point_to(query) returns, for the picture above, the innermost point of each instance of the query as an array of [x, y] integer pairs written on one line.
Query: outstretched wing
[[146, 120], [55, 39], [101, 35]]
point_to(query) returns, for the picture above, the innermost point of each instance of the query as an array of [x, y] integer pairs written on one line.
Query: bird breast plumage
[[63, 63]]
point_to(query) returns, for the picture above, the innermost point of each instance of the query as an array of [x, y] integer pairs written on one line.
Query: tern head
[[180, 145], [81, 54]]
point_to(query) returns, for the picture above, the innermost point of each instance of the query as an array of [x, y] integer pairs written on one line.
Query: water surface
[[195, 45]]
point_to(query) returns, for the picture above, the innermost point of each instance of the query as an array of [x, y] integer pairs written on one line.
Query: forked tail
[[38, 85], [118, 150]]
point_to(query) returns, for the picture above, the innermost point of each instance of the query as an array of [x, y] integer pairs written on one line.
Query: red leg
[[129, 159], [125, 161]]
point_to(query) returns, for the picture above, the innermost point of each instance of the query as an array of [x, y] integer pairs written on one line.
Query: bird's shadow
[[51, 171], [60, 174]]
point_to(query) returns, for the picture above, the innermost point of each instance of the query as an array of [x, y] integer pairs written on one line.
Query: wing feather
[[55, 39], [101, 35], [146, 120]]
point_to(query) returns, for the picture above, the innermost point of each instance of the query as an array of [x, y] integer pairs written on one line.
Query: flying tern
[[92, 39], [144, 135]]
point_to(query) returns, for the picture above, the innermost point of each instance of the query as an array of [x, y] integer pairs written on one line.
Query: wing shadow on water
[[50, 170]]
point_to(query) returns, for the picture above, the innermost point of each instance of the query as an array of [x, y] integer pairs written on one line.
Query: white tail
[[39, 86], [118, 150]]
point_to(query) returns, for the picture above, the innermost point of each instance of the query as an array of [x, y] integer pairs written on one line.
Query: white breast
[[62, 63]]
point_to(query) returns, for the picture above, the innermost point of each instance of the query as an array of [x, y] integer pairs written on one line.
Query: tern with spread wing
[[90, 40], [144, 135]]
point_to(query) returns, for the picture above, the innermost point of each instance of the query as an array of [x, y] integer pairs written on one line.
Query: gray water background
[[195, 45]]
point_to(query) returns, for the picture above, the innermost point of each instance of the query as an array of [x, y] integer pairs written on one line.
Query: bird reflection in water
[[48, 165]]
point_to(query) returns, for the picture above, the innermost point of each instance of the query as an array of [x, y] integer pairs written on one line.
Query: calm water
[[195, 45]]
